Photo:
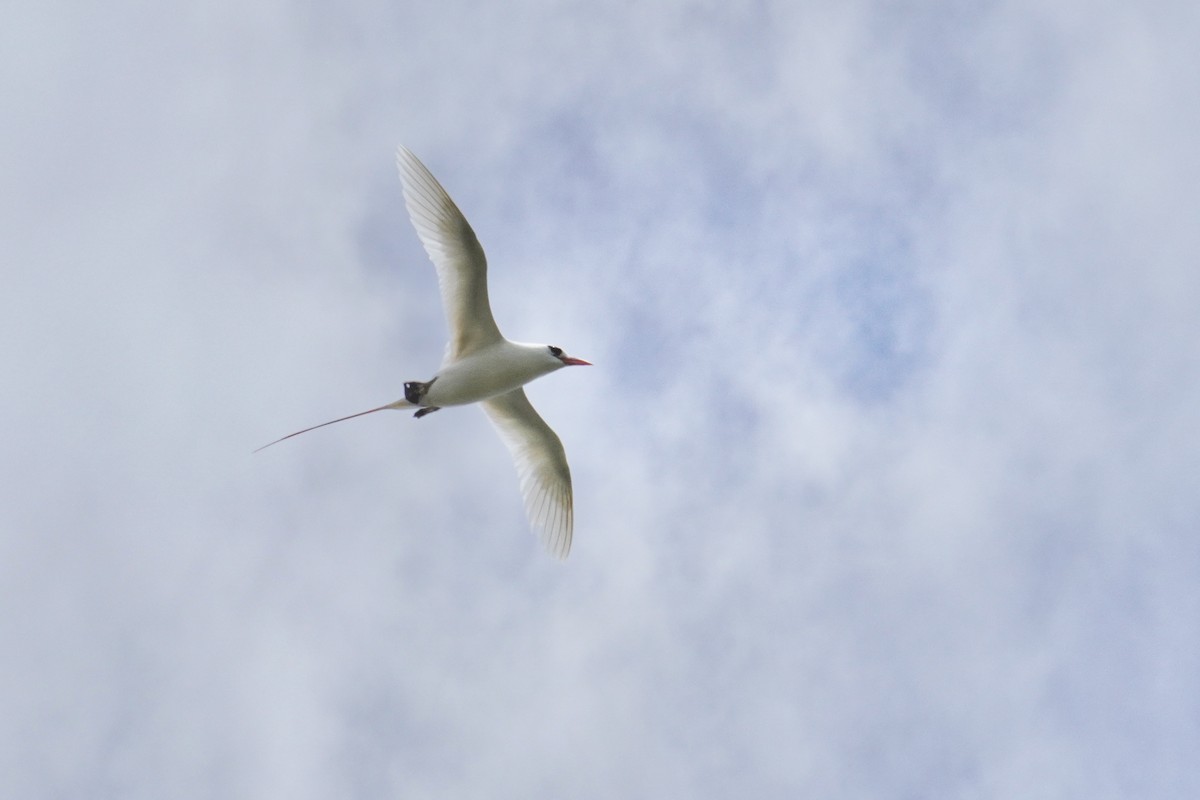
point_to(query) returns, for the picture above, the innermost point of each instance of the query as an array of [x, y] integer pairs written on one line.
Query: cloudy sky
[[885, 477]]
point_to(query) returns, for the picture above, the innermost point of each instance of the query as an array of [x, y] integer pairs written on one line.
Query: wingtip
[[557, 530], [406, 160], [551, 517], [560, 546]]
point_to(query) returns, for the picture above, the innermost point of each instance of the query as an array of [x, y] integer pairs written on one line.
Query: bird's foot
[[427, 410]]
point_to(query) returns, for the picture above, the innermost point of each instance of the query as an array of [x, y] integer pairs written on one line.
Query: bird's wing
[[455, 252], [542, 467]]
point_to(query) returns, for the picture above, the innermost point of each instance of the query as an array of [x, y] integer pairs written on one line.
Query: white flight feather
[[541, 466], [455, 252]]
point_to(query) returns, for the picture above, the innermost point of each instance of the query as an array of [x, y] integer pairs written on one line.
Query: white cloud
[[884, 476]]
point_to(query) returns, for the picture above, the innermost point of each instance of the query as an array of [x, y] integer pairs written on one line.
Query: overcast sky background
[[885, 476]]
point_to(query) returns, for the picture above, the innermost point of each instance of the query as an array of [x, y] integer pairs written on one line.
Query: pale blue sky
[[885, 475]]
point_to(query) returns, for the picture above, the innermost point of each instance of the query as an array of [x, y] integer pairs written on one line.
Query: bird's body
[[495, 369], [480, 365]]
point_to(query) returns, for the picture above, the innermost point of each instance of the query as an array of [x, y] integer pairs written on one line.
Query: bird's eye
[[555, 351]]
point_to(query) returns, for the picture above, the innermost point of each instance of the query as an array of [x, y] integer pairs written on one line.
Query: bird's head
[[565, 360]]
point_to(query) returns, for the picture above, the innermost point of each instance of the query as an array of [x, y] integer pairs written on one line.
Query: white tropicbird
[[480, 365]]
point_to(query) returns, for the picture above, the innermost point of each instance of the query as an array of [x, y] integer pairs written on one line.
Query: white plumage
[[480, 365]]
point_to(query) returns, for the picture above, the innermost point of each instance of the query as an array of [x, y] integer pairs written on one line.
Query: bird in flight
[[480, 365]]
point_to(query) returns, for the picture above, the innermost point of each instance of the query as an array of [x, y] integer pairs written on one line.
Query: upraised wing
[[455, 252], [541, 465]]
